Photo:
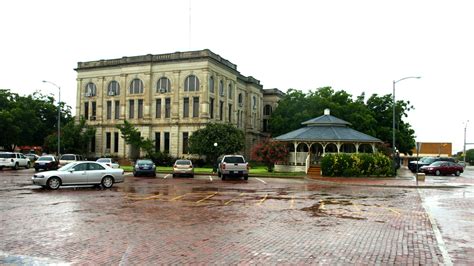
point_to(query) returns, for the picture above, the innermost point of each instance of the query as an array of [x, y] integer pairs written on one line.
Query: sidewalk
[[405, 178]]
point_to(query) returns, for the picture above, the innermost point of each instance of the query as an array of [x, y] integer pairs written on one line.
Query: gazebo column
[[324, 144], [338, 145], [374, 149], [296, 146], [357, 147]]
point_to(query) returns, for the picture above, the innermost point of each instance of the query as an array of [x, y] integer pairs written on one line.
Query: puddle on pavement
[[319, 209]]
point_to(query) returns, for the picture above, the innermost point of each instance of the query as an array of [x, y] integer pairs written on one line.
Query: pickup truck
[[232, 165]]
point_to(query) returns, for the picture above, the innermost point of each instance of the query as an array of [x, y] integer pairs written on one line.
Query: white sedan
[[109, 162], [79, 173]]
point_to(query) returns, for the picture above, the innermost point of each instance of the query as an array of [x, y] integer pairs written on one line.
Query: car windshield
[[144, 162], [68, 157], [183, 162], [7, 155], [427, 160], [234, 159], [438, 163], [67, 167], [49, 158], [103, 160]]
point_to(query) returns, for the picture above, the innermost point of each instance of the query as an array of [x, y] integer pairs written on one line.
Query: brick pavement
[[181, 221]]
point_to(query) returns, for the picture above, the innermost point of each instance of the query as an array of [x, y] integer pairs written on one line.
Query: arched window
[[241, 100], [267, 110], [221, 88], [136, 86], [211, 84], [113, 88], [163, 85], [91, 89], [191, 83], [230, 91]]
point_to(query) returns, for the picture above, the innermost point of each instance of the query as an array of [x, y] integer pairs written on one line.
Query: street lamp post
[[59, 114], [393, 120], [464, 150]]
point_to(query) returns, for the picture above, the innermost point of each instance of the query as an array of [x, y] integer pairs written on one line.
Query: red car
[[442, 168]]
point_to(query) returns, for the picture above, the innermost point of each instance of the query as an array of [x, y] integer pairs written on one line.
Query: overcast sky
[[356, 46]]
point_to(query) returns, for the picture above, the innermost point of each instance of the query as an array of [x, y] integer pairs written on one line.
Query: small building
[[320, 136], [429, 149]]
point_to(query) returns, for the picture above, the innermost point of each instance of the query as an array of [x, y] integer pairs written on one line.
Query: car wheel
[[53, 183], [107, 182], [134, 174], [36, 169], [457, 173], [28, 165], [246, 177], [192, 175], [15, 167], [438, 173], [1, 168], [223, 176]]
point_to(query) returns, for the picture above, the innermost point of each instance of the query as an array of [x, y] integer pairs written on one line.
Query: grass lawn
[[256, 171]]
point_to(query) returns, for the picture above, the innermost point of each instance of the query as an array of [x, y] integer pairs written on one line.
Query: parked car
[[233, 165], [33, 157], [79, 173], [109, 162], [69, 158], [46, 162], [14, 160], [425, 161], [183, 167], [144, 167], [442, 168]]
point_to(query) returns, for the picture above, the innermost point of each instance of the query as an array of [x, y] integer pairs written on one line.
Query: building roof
[[327, 128]]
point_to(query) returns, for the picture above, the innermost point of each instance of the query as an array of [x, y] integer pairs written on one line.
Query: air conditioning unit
[[93, 118], [88, 94], [111, 93], [162, 90], [241, 104]]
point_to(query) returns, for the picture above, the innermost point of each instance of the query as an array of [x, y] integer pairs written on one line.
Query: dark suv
[[425, 161]]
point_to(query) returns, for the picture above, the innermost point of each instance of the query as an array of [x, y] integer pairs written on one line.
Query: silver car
[[183, 167], [79, 173]]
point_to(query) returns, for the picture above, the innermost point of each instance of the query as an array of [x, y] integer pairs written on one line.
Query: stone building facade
[[167, 97]]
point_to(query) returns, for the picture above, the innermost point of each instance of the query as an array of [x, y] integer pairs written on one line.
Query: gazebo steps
[[314, 171]]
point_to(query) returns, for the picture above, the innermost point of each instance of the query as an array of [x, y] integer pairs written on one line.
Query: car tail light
[[12, 160], [223, 165], [190, 166], [108, 164], [248, 167]]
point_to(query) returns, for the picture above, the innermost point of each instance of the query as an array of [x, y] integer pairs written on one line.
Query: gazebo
[[320, 136]]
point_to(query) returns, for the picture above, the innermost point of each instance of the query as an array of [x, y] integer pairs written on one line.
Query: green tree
[[132, 136], [28, 120], [373, 117], [228, 138], [75, 138], [470, 156]]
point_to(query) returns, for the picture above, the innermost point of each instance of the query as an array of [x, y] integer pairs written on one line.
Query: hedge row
[[363, 164]]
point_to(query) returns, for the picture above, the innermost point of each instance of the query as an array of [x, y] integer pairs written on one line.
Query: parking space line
[[208, 197], [166, 176], [229, 201], [178, 197], [210, 178], [143, 198], [292, 202], [262, 200], [260, 180]]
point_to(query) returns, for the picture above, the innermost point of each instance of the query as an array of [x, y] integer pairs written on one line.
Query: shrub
[[349, 165]]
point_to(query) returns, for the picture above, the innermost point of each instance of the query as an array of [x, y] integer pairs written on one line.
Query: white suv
[[14, 160], [69, 158]]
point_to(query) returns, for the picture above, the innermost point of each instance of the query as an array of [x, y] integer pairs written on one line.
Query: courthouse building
[[167, 97]]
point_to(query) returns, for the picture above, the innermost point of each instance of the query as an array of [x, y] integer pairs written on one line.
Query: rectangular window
[[157, 141], [86, 110], [221, 110], [131, 109], [93, 144], [230, 113], [140, 108], [158, 108], [109, 110], [195, 106], [107, 141], [186, 107], [117, 110], [94, 110], [116, 142], [167, 142], [167, 108], [185, 142], [211, 107], [238, 118]]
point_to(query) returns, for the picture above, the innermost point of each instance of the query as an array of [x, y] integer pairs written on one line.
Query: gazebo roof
[[327, 128]]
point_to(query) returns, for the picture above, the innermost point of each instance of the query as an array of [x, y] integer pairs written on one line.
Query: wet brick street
[[208, 221]]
